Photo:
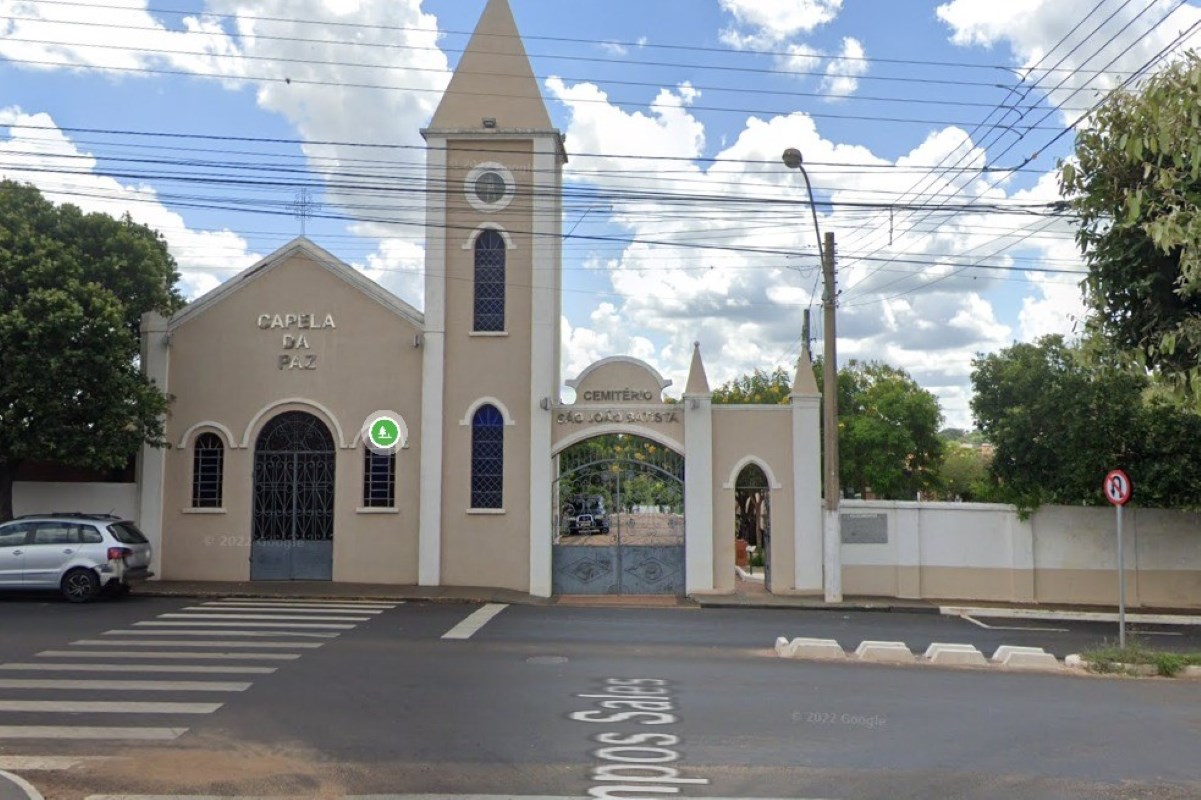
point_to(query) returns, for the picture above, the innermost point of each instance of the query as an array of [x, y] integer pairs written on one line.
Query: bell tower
[[492, 310]]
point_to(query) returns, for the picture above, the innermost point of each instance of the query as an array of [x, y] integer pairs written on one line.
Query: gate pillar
[[698, 479], [806, 478]]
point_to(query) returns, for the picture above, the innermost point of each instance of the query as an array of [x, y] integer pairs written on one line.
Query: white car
[[80, 555]]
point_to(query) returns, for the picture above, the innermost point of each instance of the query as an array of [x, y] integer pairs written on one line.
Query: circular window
[[490, 187]]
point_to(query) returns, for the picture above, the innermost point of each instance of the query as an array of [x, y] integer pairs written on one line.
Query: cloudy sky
[[931, 132]]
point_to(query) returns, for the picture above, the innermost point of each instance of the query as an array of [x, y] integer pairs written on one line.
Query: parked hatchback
[[80, 555]]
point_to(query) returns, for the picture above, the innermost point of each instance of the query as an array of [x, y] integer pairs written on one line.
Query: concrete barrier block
[[783, 647], [1004, 650], [956, 655], [885, 652], [828, 649], [820, 649], [1018, 659], [1191, 672], [936, 646]]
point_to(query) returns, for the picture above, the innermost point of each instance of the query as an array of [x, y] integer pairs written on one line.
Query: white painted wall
[[89, 498], [1059, 554]]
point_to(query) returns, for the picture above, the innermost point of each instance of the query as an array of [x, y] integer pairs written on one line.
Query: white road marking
[[172, 655], [44, 667], [975, 621], [47, 763], [1067, 616], [106, 707], [181, 623], [284, 602], [142, 686], [274, 617], [476, 620], [187, 643], [375, 797], [208, 632], [79, 732], [289, 609]]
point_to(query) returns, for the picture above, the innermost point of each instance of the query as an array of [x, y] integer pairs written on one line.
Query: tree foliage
[[888, 425], [888, 432], [757, 388], [1136, 186], [1059, 421], [965, 475], [73, 287]]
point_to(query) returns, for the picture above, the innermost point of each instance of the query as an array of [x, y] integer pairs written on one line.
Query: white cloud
[[930, 317], [393, 42], [842, 73], [779, 20], [46, 156], [1043, 35], [801, 59]]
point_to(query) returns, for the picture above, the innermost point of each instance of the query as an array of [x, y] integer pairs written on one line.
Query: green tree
[[1135, 185], [1058, 421], [73, 287], [965, 474], [888, 425], [888, 432], [757, 388]]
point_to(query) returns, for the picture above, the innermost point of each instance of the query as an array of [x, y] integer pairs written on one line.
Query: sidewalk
[[326, 590], [749, 594]]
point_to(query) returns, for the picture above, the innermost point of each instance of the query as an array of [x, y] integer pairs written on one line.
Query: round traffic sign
[[1118, 488]]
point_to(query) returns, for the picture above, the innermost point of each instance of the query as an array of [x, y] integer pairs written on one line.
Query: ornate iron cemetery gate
[[619, 521], [293, 500]]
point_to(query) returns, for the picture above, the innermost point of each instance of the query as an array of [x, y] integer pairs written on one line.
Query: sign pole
[[1121, 584], [1118, 489]]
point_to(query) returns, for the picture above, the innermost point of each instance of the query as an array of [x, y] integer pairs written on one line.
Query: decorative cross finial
[[303, 207]]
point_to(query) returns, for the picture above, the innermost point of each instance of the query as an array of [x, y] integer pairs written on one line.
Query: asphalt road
[[555, 702]]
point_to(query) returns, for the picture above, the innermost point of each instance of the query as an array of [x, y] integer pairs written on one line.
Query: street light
[[831, 533]]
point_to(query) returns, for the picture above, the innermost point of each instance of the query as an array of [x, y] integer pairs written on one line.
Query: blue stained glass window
[[487, 458], [490, 282]]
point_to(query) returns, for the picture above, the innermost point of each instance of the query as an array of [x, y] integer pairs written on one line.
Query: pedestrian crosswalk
[[182, 664]]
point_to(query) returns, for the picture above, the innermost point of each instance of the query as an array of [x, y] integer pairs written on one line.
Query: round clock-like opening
[[490, 187]]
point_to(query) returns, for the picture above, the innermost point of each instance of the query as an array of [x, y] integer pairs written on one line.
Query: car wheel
[[80, 585]]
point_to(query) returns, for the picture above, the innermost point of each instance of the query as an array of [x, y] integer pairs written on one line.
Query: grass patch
[[1112, 659]]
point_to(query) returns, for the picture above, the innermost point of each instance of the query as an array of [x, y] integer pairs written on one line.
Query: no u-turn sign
[[1118, 488]]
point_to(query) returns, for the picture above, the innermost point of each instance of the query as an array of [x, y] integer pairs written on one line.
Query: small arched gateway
[[617, 516], [752, 514]]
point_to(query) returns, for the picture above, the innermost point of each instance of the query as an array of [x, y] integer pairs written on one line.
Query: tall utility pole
[[831, 523]]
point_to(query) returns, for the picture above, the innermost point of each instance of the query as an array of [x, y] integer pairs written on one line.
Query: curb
[[706, 601], [14, 787], [397, 597], [1068, 615]]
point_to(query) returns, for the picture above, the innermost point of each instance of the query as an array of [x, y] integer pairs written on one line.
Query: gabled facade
[[277, 373]]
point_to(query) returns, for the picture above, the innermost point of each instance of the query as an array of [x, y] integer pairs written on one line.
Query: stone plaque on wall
[[864, 528]]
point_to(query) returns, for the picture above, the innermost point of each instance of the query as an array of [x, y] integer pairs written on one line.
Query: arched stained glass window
[[489, 282], [487, 458], [208, 471]]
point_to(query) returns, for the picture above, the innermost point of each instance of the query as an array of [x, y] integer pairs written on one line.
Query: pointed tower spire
[[698, 381], [805, 384], [493, 81]]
